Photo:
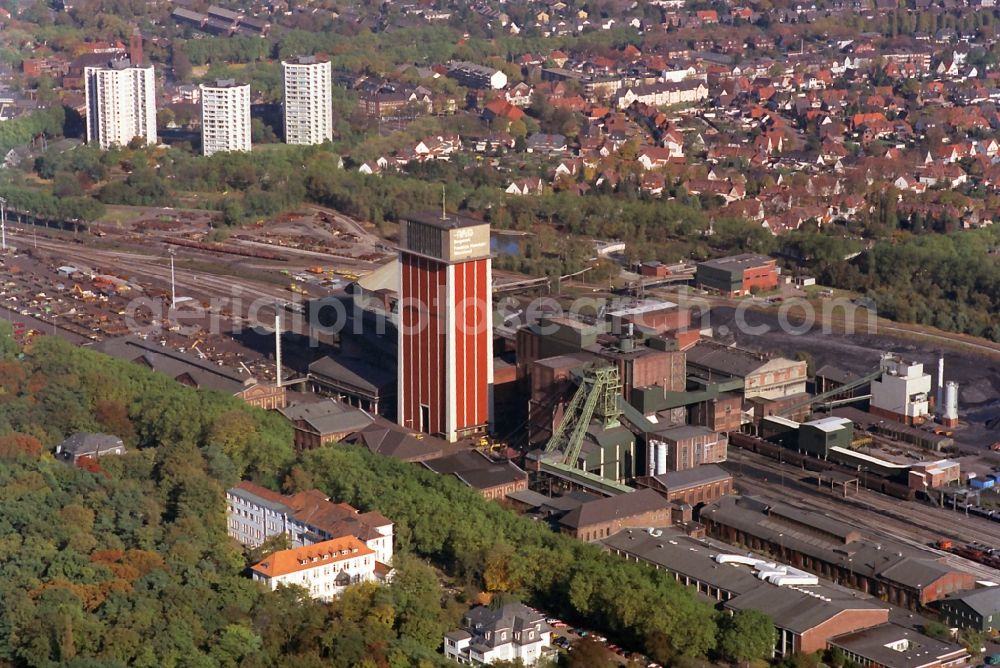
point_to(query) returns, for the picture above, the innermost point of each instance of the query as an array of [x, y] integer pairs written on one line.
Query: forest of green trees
[[949, 281], [17, 131], [131, 565]]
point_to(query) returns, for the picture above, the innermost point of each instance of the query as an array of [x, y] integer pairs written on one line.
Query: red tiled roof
[[298, 559]]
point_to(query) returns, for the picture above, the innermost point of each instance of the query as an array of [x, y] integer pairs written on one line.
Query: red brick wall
[[846, 622], [656, 272], [721, 414], [702, 493], [660, 517], [952, 582], [500, 491], [527, 351], [761, 278], [660, 368], [662, 321]]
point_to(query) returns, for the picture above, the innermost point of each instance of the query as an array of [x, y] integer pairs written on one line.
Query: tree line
[[949, 281], [21, 130], [128, 563]]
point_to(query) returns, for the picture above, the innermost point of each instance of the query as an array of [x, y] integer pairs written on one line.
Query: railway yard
[[117, 280], [918, 523]]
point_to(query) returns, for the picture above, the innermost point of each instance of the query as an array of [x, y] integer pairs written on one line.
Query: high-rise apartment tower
[[225, 117], [308, 102], [121, 104]]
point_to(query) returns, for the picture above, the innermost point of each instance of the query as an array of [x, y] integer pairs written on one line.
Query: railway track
[[157, 267], [912, 522], [236, 302]]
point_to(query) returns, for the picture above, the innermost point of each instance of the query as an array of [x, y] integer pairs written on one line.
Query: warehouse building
[[686, 447], [816, 437], [493, 479], [738, 275], [893, 646], [602, 518], [703, 484], [978, 609], [805, 614], [919, 436], [319, 423], [892, 571], [769, 378], [925, 476]]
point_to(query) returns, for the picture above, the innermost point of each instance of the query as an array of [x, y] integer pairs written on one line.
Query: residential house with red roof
[[323, 569], [254, 514]]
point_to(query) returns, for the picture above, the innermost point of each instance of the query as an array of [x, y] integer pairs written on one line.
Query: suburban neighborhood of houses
[[520, 333]]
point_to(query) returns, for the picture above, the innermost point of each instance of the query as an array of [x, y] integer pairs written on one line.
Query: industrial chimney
[[277, 350], [939, 404], [135, 47]]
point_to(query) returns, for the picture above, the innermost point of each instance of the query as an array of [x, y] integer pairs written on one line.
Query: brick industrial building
[[738, 275], [703, 484], [894, 572], [552, 354], [686, 447], [805, 617], [765, 377], [894, 646], [493, 479], [319, 423], [445, 369], [604, 517]]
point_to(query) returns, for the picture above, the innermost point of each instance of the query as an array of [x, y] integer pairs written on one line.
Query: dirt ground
[[978, 376]]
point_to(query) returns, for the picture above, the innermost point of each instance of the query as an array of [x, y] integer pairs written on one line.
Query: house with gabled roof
[[512, 633], [255, 514], [323, 569]]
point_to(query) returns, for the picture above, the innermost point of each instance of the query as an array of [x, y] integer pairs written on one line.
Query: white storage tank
[[661, 458], [950, 414]]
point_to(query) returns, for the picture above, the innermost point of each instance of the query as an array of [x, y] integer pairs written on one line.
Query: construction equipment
[[491, 444], [194, 347], [597, 397], [86, 295]]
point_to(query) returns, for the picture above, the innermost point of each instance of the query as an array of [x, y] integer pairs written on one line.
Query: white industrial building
[[308, 101], [121, 104], [225, 117], [903, 392]]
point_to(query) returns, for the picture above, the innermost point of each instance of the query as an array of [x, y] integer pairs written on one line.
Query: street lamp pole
[[3, 223], [173, 287]]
